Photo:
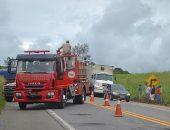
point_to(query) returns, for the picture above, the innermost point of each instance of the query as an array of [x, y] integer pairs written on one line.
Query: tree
[[6, 61], [13, 63], [82, 50], [120, 71]]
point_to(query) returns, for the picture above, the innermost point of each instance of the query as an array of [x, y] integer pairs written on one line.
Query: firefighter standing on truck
[[66, 48]]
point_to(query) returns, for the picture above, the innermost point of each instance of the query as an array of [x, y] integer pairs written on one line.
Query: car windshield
[[118, 87], [35, 66], [104, 77]]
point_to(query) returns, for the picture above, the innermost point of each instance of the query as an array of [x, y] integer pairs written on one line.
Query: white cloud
[[160, 11], [44, 24], [129, 37], [25, 45], [132, 34]]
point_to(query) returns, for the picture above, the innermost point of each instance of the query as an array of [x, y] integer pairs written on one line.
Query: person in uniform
[[66, 48]]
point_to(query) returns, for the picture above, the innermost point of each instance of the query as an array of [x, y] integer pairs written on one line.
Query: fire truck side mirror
[[12, 63]]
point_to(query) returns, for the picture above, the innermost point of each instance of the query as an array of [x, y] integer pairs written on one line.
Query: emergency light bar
[[37, 51]]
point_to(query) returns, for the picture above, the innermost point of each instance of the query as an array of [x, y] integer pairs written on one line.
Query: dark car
[[117, 91]]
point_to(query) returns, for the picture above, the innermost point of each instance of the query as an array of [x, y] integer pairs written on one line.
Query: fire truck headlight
[[50, 94], [18, 95]]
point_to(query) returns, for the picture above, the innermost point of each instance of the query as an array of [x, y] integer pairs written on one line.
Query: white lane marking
[[59, 120]]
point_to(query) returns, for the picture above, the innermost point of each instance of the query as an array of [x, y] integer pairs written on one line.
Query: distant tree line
[[5, 63], [120, 71]]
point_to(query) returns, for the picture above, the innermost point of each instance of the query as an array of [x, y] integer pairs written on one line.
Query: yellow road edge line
[[140, 116], [127, 112], [151, 120]]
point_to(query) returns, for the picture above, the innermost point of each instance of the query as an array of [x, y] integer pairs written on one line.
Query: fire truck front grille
[[34, 87], [35, 97]]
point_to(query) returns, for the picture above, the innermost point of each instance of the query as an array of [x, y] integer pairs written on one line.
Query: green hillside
[[131, 82], [2, 100]]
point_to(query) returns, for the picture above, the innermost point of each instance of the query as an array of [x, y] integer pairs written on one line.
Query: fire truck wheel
[[80, 99], [61, 104], [22, 105]]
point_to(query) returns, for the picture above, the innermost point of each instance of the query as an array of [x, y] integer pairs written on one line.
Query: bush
[[2, 100]]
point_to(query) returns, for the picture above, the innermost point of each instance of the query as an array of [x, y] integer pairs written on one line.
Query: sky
[[130, 34]]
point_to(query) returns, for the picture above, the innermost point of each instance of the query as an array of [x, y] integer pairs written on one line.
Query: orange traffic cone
[[106, 103], [92, 97], [118, 112]]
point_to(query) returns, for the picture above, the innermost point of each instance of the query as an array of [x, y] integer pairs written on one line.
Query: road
[[89, 116], [35, 118]]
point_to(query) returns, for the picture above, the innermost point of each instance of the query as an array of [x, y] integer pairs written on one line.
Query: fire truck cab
[[49, 78]]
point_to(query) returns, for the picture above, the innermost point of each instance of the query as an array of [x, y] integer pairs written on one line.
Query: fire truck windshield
[[35, 66]]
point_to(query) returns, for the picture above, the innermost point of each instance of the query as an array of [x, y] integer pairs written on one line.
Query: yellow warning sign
[[152, 80]]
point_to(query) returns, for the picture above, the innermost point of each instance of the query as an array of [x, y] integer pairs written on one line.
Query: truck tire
[[80, 99], [22, 106], [61, 104], [9, 99]]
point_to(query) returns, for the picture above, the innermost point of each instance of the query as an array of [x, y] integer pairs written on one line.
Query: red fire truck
[[49, 78]]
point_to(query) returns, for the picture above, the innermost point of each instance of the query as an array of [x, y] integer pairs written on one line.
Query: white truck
[[100, 76]]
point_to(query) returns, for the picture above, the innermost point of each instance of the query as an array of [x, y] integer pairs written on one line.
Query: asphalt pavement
[[96, 117], [88, 116], [35, 118]]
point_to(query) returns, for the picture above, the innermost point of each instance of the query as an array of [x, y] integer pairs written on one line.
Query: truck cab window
[[70, 63], [35, 66]]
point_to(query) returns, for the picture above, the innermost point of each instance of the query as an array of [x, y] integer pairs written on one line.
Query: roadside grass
[[131, 82], [2, 100]]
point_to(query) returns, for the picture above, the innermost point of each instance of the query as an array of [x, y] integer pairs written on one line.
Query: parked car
[[117, 91]]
